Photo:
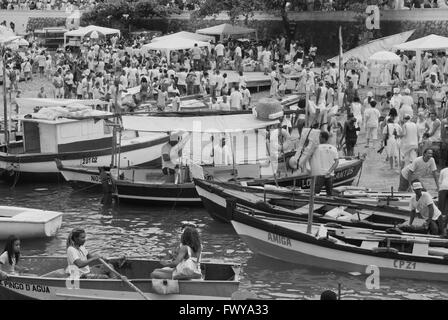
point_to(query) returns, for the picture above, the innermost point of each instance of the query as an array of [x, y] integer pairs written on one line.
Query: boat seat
[[421, 248], [438, 251], [59, 273], [369, 244]]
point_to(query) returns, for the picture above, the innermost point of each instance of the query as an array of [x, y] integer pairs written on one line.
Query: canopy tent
[[171, 44], [428, 43], [185, 35], [365, 51], [7, 35], [85, 31], [226, 30], [209, 124]]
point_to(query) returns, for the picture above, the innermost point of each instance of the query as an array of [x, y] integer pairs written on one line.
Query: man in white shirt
[[219, 49], [418, 169], [246, 97], [409, 140], [371, 118], [236, 99], [422, 203], [324, 161]]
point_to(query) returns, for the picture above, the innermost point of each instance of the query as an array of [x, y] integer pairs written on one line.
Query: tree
[[246, 8]]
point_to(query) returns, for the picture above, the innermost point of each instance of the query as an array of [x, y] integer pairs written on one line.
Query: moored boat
[[276, 203], [47, 281], [345, 249], [86, 143], [28, 222]]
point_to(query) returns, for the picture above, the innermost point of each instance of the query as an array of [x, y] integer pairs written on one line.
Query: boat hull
[[187, 193], [299, 248], [42, 167], [41, 286]]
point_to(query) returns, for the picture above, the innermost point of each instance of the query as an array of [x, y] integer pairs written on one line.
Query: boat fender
[[165, 286], [333, 225], [261, 205], [394, 231], [384, 249]]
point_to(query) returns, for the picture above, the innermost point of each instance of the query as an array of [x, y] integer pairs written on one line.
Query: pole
[[5, 106], [311, 205]]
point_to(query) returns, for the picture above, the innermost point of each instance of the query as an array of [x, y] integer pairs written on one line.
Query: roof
[[225, 29], [81, 32], [184, 35], [431, 42], [210, 124]]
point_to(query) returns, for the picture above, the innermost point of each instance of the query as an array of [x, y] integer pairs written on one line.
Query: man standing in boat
[[171, 154], [323, 162]]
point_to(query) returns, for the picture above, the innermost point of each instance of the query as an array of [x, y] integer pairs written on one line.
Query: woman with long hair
[[421, 105], [190, 248], [79, 259], [10, 256]]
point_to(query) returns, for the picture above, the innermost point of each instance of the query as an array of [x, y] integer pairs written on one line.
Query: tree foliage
[[116, 13]]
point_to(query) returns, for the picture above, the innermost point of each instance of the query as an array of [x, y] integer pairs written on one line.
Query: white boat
[[48, 281], [28, 222], [345, 249], [85, 142]]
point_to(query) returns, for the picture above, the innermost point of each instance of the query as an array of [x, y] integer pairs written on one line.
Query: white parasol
[[385, 57]]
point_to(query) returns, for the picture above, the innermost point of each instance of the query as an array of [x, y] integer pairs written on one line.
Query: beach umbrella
[[384, 57]]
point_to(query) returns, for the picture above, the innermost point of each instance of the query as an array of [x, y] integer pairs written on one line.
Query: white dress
[[392, 148]]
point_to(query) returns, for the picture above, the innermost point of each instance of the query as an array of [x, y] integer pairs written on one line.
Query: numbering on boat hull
[[401, 264]]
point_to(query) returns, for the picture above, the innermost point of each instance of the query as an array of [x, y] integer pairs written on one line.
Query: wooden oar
[[124, 279]]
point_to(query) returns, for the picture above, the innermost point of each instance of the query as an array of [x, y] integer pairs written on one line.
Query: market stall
[[173, 44], [185, 35], [75, 37]]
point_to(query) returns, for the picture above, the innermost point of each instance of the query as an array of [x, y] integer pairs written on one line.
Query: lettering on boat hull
[[284, 241]]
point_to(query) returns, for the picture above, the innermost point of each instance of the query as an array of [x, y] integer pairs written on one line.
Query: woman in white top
[[392, 130], [10, 257], [190, 249]]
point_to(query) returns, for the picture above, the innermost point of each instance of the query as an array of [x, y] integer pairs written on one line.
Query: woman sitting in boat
[[185, 265], [79, 259], [10, 257]]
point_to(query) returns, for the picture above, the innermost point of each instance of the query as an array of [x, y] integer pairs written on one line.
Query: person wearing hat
[[172, 152], [421, 203], [409, 140]]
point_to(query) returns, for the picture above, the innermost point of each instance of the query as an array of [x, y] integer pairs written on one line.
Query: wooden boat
[[345, 249], [47, 281], [270, 202], [28, 222], [85, 143], [365, 195], [141, 185]]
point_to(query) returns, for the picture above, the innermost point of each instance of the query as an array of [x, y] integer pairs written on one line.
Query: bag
[[187, 269]]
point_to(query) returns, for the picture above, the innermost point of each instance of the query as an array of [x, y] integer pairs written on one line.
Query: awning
[[210, 124], [33, 102]]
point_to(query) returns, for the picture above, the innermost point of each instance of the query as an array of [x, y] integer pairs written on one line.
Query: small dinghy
[[47, 281], [28, 222]]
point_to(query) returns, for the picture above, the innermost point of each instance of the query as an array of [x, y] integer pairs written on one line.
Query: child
[[10, 256], [176, 102], [42, 93]]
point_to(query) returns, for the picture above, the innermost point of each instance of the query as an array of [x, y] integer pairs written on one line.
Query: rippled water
[[147, 231]]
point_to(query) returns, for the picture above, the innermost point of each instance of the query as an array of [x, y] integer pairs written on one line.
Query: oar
[[124, 279]]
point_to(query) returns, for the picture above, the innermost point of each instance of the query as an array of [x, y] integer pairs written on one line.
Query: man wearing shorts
[[371, 118]]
